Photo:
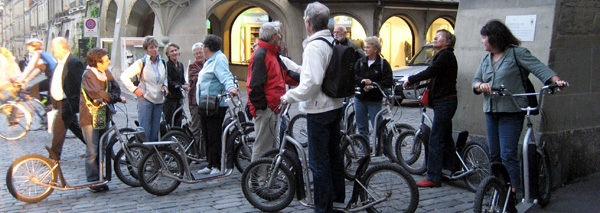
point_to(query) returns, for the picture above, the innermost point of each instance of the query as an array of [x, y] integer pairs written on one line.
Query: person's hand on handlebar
[[123, 100], [367, 83], [406, 85], [484, 87], [233, 91]]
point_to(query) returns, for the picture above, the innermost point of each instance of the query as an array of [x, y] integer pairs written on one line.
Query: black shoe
[[512, 202], [96, 189]]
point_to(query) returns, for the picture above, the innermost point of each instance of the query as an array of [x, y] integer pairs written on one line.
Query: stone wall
[[567, 39]]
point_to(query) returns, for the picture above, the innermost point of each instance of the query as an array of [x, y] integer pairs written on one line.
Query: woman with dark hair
[[176, 82], [442, 97], [213, 80], [501, 67], [97, 83], [151, 71]]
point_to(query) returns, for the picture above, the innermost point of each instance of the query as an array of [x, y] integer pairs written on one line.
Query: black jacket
[[375, 73], [71, 84], [442, 72], [175, 79]]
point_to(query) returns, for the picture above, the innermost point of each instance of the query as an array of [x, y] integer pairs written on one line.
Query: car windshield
[[424, 56]]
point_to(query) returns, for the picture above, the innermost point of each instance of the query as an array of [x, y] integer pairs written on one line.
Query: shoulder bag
[[532, 99], [208, 104]]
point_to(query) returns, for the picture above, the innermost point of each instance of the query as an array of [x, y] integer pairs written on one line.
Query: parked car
[[419, 63]]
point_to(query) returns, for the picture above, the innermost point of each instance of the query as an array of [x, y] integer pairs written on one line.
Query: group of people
[[501, 66], [73, 88]]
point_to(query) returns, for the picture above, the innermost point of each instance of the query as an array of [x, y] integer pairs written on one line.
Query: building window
[[438, 24], [244, 33], [396, 38]]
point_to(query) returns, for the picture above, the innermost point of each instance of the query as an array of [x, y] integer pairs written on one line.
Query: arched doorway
[[354, 29], [438, 24], [397, 39], [111, 16], [141, 20], [244, 33]]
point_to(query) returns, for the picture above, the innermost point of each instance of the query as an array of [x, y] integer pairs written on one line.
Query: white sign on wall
[[522, 26], [90, 27]]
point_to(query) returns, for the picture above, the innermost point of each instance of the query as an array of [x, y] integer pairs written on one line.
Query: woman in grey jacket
[[498, 67]]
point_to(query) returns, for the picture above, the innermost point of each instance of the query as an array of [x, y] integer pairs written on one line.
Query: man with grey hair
[[64, 91], [324, 113], [267, 77], [339, 33]]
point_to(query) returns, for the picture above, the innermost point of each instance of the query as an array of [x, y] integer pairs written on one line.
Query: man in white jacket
[[323, 112]]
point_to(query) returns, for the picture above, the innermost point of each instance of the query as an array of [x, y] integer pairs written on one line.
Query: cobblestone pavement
[[221, 195]]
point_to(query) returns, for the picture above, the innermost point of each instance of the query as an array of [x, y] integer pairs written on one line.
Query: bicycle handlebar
[[552, 88]]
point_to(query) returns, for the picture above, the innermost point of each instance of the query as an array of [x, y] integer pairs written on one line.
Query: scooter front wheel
[[491, 196], [22, 174], [267, 197]]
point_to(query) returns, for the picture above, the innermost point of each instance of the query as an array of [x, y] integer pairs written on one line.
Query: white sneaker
[[206, 170], [215, 171], [339, 205]]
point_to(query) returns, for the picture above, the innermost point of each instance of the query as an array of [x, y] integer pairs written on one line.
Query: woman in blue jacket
[[213, 79]]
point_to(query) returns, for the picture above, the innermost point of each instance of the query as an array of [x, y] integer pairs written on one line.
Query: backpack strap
[[325, 40]]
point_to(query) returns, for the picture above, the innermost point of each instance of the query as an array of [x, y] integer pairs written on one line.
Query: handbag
[[99, 115], [532, 99], [425, 97], [208, 104]]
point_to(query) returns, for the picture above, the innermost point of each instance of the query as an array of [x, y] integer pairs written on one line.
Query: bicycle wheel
[[351, 124], [181, 138], [243, 148], [27, 168], [126, 164], [393, 183], [269, 198], [410, 153], [544, 182], [391, 146], [299, 129], [353, 150], [15, 121], [491, 196], [271, 153], [153, 174], [38, 115], [476, 158]]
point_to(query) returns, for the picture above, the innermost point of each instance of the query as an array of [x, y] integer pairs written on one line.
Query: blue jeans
[[92, 139], [363, 109], [326, 160], [441, 145], [503, 132], [149, 117]]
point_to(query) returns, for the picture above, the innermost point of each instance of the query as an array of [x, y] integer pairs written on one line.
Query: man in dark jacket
[[64, 90], [442, 98], [266, 84]]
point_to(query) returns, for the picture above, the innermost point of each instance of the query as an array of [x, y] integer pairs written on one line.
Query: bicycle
[[494, 192], [353, 146], [22, 114], [471, 159], [163, 169], [386, 131], [270, 184], [33, 177]]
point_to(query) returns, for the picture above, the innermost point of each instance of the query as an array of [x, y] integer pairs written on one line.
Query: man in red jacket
[[267, 77]]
